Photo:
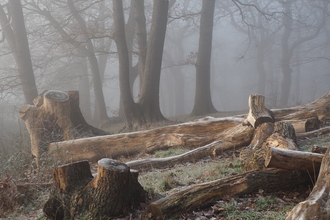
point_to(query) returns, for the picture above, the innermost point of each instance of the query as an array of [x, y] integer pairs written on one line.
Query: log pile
[[272, 158]]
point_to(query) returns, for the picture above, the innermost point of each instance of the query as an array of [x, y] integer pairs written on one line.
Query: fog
[[238, 33]]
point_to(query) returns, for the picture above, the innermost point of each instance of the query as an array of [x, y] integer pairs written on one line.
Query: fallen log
[[129, 144], [305, 125], [316, 133], [76, 194], [318, 108], [239, 137], [293, 160], [316, 206], [205, 194]]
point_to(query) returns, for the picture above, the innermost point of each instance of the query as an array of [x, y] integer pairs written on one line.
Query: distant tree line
[[75, 45]]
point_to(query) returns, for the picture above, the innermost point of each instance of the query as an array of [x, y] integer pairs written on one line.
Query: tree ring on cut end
[[111, 164], [56, 95]]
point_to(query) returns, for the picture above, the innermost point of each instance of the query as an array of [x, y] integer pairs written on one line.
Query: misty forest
[[164, 109]]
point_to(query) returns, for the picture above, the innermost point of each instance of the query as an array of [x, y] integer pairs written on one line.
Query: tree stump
[[56, 116], [258, 113], [262, 120], [76, 194], [316, 205]]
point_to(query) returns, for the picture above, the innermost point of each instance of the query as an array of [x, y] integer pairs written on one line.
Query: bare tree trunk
[[141, 32], [203, 101], [16, 36], [286, 56], [149, 99], [101, 113], [84, 91], [131, 109]]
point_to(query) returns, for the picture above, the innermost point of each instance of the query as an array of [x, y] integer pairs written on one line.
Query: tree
[[203, 102], [147, 109], [288, 46], [82, 42], [16, 36]]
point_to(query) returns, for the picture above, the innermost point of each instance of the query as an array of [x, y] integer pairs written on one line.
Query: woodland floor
[[161, 182]]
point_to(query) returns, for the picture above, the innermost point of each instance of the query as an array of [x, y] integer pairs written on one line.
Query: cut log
[[316, 133], [130, 144], [205, 194], [76, 194], [56, 116], [316, 205], [241, 136], [305, 125], [293, 160], [258, 113]]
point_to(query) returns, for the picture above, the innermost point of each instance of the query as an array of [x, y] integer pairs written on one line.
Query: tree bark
[[316, 205], [238, 137], [149, 99], [76, 194], [141, 33], [203, 101], [205, 194]]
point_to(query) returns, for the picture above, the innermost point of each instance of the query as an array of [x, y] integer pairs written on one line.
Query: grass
[[169, 152], [258, 209], [321, 141], [160, 181]]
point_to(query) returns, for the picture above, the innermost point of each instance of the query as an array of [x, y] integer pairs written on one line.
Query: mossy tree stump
[[76, 194]]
